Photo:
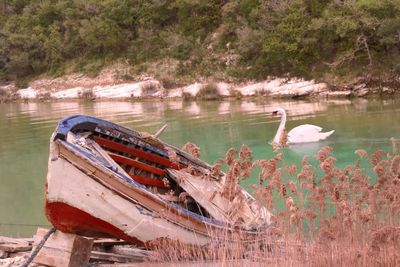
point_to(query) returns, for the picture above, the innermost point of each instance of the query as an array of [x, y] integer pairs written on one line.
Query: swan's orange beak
[[274, 113]]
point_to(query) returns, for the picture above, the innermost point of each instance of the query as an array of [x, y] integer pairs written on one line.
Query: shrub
[[187, 96], [3, 92], [208, 92], [44, 96], [4, 95], [168, 83], [149, 89], [22, 83], [87, 94]]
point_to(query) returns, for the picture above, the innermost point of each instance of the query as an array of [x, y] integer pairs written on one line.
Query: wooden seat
[[136, 164], [138, 153]]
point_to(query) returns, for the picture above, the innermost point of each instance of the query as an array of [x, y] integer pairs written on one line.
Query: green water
[[25, 129]]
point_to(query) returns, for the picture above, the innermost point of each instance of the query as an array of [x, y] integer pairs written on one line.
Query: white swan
[[305, 133]]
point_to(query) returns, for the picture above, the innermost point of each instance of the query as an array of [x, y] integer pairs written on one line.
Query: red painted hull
[[72, 220], [89, 193]]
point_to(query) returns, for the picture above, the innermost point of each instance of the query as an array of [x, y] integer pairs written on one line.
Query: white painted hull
[[69, 185]]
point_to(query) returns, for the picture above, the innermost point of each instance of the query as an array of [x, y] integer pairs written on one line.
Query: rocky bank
[[109, 86]]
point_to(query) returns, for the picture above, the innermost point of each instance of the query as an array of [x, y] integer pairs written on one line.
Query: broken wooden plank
[[138, 153], [4, 239], [3, 254], [62, 249], [207, 192], [12, 247], [112, 257], [108, 242], [137, 253], [136, 164]]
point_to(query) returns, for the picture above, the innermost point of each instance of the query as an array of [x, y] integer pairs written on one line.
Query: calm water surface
[[25, 129]]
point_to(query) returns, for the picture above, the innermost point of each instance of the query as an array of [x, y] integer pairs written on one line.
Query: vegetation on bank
[[223, 39]]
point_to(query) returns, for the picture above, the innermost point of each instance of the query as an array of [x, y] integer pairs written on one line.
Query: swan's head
[[278, 112]]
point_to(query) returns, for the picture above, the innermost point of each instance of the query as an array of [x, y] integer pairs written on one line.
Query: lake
[[25, 129]]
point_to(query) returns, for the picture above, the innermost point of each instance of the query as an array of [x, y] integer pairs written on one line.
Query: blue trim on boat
[[91, 123], [70, 123]]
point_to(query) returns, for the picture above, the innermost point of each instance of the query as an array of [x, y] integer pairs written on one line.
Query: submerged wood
[[105, 180]]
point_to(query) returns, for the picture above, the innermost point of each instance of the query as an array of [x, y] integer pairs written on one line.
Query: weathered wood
[[147, 180], [3, 254], [15, 247], [113, 257], [9, 244], [170, 213], [108, 242], [157, 134], [207, 193], [138, 254], [138, 178], [62, 249], [136, 164], [4, 239], [137, 153]]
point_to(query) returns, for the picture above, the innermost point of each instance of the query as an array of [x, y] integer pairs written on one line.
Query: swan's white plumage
[[305, 133]]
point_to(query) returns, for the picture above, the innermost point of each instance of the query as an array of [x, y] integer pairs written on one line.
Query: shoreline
[[72, 88]]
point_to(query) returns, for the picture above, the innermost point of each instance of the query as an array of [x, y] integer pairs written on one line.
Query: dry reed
[[331, 216]]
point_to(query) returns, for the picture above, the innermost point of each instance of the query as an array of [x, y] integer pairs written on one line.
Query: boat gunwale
[[70, 123], [138, 188]]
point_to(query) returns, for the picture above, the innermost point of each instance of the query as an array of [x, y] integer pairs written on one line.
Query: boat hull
[[106, 180], [80, 204]]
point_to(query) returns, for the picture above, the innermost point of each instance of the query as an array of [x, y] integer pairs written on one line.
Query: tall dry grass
[[331, 216]]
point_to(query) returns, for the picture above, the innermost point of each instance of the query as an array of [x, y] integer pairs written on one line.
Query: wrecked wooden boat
[[107, 180]]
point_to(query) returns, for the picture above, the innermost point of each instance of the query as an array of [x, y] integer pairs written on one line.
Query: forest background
[[332, 41]]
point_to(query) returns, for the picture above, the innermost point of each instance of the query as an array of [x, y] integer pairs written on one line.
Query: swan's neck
[[280, 130]]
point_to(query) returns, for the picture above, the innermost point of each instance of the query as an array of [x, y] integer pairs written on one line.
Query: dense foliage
[[201, 38]]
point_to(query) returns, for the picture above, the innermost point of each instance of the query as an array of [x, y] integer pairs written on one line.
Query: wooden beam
[[136, 164], [114, 257], [148, 181], [108, 242], [138, 153], [62, 249], [15, 247], [12, 245]]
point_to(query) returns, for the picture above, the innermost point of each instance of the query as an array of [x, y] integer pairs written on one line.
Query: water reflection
[[309, 149], [114, 109], [25, 129]]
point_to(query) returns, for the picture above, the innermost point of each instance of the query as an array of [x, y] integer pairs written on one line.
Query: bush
[[299, 38], [208, 92], [22, 83], [87, 94], [44, 96], [149, 89], [3, 92], [187, 96], [168, 83]]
